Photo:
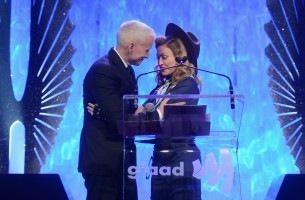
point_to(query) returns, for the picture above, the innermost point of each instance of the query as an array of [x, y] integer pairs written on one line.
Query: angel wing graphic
[[286, 52], [48, 82]]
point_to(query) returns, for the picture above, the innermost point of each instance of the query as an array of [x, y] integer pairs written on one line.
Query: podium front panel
[[190, 153]]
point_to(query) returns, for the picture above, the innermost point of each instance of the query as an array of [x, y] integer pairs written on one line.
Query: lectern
[[190, 153]]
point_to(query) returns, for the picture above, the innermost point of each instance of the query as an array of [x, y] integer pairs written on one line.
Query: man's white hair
[[133, 31]]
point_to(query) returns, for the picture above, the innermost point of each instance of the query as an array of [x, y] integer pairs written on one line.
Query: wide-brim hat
[[189, 40]]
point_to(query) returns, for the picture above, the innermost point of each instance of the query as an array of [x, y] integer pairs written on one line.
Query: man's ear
[[131, 46]]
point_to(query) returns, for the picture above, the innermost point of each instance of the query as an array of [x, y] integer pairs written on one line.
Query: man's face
[[140, 51]]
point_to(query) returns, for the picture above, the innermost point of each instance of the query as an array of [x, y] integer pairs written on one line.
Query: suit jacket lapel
[[115, 58], [117, 61]]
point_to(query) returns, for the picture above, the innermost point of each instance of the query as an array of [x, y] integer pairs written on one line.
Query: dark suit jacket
[[101, 146]]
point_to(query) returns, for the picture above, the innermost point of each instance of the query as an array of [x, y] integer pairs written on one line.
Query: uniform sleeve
[[187, 86]]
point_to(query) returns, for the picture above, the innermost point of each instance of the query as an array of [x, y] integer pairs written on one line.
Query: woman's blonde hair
[[177, 47]]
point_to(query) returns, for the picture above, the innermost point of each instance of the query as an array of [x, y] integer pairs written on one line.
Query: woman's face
[[166, 59]]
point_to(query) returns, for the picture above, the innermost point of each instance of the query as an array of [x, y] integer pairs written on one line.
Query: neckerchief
[[162, 90]]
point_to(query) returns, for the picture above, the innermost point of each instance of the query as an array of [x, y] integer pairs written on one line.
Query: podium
[[191, 153]]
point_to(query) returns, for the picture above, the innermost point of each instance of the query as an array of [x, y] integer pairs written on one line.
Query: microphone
[[149, 108], [136, 92], [181, 61]]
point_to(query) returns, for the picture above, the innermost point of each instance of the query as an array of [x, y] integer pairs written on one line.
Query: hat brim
[[174, 30]]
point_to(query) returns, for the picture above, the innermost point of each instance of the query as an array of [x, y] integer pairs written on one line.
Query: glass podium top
[[182, 116]]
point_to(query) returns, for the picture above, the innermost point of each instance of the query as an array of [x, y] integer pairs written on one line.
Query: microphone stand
[[231, 91], [181, 62]]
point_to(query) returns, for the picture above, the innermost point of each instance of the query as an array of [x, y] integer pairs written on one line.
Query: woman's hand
[[164, 102], [139, 110], [90, 108], [94, 110]]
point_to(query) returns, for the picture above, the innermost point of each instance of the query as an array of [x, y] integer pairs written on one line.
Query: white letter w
[[210, 165]]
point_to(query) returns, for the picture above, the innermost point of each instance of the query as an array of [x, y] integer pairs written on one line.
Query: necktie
[[130, 71]]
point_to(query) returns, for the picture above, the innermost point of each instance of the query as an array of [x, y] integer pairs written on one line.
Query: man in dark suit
[[101, 145]]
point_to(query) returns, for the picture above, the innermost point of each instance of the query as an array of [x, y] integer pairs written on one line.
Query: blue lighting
[[19, 48], [233, 42]]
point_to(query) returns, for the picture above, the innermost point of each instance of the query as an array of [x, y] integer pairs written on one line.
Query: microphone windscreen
[[181, 60], [184, 59], [149, 107]]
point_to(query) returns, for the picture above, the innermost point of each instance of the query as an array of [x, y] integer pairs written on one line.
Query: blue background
[[232, 42]]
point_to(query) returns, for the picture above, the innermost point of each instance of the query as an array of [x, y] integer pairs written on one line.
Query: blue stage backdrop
[[233, 42]]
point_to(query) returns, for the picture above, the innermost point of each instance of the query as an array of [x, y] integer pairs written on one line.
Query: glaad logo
[[210, 168], [153, 170]]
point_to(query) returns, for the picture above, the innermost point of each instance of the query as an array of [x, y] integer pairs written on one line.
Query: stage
[[47, 47]]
